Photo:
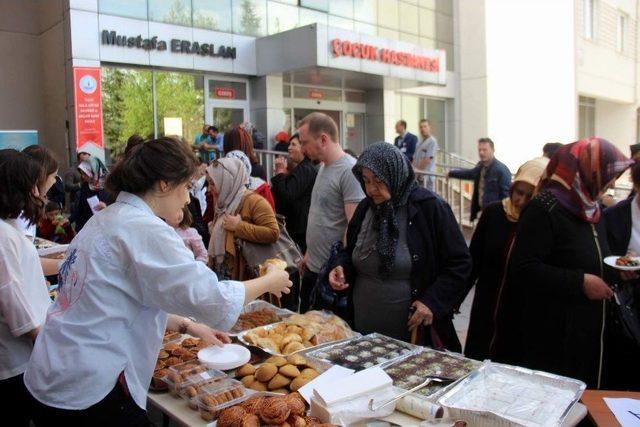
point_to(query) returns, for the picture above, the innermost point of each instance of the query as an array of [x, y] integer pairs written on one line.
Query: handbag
[[627, 310], [323, 297], [284, 249]]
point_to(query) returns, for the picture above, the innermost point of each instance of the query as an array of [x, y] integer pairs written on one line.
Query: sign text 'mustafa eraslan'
[[176, 45]]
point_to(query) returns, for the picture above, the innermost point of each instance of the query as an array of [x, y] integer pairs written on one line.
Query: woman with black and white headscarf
[[406, 262]]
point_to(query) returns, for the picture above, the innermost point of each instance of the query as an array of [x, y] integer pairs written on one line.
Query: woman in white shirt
[[126, 269], [24, 298]]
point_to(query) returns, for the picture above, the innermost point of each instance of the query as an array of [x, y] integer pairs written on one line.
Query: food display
[[259, 313], [187, 379], [364, 352], [275, 262], [627, 261], [298, 332], [414, 369], [213, 398], [174, 353], [278, 374]]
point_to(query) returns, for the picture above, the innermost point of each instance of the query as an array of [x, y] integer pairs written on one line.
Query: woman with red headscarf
[[557, 261]]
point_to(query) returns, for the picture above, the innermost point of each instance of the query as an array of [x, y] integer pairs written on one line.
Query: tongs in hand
[[429, 380]]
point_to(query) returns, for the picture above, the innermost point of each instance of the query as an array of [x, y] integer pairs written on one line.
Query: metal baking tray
[[241, 338], [258, 305], [341, 350], [506, 396], [429, 393]]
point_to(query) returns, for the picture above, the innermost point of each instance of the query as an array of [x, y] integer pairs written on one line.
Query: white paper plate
[[229, 356], [611, 261]]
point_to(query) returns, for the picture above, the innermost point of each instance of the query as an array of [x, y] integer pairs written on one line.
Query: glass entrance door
[[227, 102], [301, 113], [227, 118], [354, 135]]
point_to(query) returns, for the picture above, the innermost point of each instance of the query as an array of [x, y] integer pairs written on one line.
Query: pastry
[[296, 404], [268, 344], [312, 421], [296, 421], [190, 342], [280, 391], [245, 370], [159, 365], [296, 360], [290, 371], [258, 386], [163, 354], [253, 405], [172, 361], [277, 360], [292, 347], [170, 347], [266, 372], [299, 382], [248, 380], [275, 262], [250, 420], [275, 411], [291, 338], [160, 373], [231, 417], [279, 381], [309, 373]]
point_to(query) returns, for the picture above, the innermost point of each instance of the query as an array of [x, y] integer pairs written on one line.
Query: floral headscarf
[[390, 166], [253, 183], [96, 170], [578, 172]]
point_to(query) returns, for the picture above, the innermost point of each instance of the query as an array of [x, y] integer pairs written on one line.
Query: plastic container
[[186, 379], [213, 398]]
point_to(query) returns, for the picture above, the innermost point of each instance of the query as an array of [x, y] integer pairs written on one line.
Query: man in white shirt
[[424, 159]]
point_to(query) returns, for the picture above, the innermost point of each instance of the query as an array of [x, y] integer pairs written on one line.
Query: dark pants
[[309, 280], [16, 400], [291, 301], [117, 409]]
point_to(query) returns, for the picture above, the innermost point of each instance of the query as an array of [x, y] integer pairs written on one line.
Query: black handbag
[[627, 310]]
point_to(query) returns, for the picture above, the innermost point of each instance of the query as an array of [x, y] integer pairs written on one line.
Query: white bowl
[[229, 356]]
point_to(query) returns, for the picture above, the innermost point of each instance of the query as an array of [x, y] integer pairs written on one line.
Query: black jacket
[[292, 194], [439, 256], [81, 212], [497, 181], [618, 219], [553, 250], [198, 224]]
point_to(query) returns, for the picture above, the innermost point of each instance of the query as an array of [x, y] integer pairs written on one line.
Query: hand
[[595, 288], [230, 222], [280, 165], [213, 336], [629, 275], [100, 206], [422, 316], [337, 279], [278, 282]]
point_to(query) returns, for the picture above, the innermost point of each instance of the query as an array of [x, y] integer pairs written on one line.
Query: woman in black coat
[[406, 263], [557, 261], [490, 248], [93, 174]]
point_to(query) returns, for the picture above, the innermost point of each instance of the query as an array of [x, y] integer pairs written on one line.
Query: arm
[[50, 266], [197, 246], [532, 250], [504, 183], [411, 147], [466, 174], [454, 264], [263, 227]]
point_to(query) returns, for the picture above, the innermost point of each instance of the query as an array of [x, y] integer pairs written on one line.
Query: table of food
[[311, 369]]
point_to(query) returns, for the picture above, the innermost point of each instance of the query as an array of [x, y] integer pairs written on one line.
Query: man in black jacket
[[405, 141], [491, 178]]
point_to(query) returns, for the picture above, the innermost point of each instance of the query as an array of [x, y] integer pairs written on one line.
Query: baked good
[[159, 365], [296, 421], [275, 262], [290, 371], [190, 342], [248, 380], [312, 421], [279, 361], [309, 373], [268, 344], [266, 372], [231, 417], [170, 347], [296, 404], [258, 386], [292, 347], [245, 370], [280, 391], [253, 405], [299, 382], [296, 360], [163, 354], [291, 338], [172, 361], [250, 420], [275, 411], [279, 381]]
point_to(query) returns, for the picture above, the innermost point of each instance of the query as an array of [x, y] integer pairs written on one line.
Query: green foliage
[[250, 22]]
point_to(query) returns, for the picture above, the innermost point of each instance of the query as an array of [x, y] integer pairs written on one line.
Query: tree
[[250, 22], [178, 14]]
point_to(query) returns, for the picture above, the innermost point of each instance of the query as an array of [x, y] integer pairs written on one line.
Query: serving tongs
[[429, 380]]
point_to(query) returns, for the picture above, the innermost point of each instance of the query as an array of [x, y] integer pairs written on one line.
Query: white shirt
[[634, 241], [26, 227], [123, 273], [24, 298]]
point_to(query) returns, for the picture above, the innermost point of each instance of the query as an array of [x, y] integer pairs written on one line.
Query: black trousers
[[309, 280], [291, 301], [117, 409], [16, 400]]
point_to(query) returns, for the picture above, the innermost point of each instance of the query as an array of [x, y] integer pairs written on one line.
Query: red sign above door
[[316, 94], [225, 92]]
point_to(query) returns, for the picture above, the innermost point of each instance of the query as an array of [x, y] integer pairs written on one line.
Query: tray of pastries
[[176, 349], [412, 370], [363, 352], [259, 313], [298, 332], [278, 374]]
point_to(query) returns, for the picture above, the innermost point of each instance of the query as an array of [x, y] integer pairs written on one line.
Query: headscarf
[[96, 170], [578, 172], [229, 177], [530, 172], [253, 183], [390, 166]]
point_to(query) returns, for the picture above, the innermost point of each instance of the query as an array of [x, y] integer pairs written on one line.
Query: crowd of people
[[160, 242]]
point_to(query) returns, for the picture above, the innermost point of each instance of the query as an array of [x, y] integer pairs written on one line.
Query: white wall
[[617, 123], [531, 93]]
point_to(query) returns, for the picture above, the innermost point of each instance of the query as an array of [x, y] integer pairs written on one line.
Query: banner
[[88, 106]]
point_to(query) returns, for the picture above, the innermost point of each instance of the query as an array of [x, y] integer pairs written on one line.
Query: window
[[170, 11], [128, 8], [587, 117], [322, 5], [212, 16], [250, 17], [342, 8], [308, 16], [365, 11], [587, 18], [281, 17], [620, 32], [180, 104]]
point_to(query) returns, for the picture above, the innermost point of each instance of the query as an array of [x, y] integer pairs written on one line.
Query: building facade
[[166, 67]]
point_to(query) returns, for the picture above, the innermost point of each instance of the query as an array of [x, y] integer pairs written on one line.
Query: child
[[192, 240], [54, 226]]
